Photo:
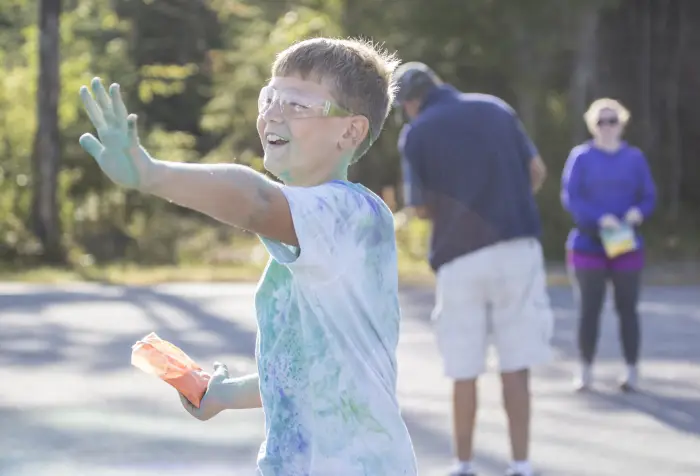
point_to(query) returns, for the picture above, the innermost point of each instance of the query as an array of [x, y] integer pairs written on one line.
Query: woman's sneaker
[[631, 381], [584, 380]]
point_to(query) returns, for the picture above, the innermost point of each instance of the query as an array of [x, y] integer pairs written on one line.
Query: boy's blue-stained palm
[[116, 149]]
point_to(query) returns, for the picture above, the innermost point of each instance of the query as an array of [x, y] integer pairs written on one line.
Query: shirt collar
[[438, 94]]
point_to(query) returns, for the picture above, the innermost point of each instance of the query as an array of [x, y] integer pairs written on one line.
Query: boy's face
[[306, 138]]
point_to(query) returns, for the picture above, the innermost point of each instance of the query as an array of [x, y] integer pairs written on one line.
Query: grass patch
[[411, 272]]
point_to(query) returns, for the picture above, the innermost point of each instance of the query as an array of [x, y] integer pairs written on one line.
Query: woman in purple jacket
[[606, 185]]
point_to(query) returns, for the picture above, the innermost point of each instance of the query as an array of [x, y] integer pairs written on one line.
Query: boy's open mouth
[[274, 139]]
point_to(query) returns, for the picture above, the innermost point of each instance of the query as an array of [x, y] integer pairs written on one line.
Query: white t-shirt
[[328, 327]]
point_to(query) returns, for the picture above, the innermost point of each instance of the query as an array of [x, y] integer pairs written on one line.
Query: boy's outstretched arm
[[231, 193], [243, 392]]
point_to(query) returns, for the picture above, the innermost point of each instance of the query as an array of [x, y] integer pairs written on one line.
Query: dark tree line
[[193, 69]]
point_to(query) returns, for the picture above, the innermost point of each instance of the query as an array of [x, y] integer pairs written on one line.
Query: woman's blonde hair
[[592, 114]]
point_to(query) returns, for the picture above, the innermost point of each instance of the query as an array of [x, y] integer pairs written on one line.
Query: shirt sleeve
[[413, 188], [332, 222], [573, 195], [647, 194]]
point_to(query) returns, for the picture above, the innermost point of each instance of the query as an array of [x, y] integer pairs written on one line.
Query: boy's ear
[[356, 132]]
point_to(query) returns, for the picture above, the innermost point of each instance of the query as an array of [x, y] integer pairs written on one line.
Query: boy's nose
[[273, 113]]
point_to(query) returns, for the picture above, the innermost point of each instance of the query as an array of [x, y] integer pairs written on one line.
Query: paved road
[[70, 404]]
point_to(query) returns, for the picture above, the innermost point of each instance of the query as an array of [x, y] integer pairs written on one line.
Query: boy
[[327, 303]]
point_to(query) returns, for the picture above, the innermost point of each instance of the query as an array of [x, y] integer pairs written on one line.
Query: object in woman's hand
[[166, 361], [609, 222], [618, 241], [634, 216]]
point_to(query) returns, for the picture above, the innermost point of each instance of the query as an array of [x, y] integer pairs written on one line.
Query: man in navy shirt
[[470, 168]]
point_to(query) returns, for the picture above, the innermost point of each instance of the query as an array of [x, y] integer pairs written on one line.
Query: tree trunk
[[674, 148], [46, 154], [645, 74], [584, 70], [529, 74]]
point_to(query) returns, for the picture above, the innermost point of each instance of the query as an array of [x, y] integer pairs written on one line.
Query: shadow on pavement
[[93, 444], [434, 445], [158, 436], [680, 413], [28, 339]]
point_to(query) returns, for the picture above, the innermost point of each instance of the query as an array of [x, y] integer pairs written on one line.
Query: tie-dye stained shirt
[[328, 327]]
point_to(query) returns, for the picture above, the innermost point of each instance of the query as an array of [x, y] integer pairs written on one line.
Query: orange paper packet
[[166, 361]]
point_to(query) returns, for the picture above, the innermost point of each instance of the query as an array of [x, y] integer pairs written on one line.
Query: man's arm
[[413, 191], [538, 173], [233, 194], [422, 212], [528, 150]]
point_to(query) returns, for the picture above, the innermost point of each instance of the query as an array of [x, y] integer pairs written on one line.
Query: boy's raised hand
[[118, 151]]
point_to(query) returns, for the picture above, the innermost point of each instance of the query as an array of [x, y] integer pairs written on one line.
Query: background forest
[[192, 69]]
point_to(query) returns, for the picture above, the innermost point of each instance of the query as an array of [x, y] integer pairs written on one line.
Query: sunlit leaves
[[175, 146], [244, 66], [164, 80]]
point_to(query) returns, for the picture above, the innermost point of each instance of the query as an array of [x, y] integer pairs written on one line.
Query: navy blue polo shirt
[[466, 158]]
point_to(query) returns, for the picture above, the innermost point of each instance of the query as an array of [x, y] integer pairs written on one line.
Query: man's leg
[[523, 323], [516, 401], [464, 404], [460, 318]]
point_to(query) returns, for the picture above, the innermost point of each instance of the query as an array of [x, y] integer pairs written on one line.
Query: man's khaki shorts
[[497, 294]]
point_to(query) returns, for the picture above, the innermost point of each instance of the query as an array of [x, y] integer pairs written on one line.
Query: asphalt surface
[[71, 404]]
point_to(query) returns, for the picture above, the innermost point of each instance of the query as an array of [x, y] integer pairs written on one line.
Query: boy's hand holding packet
[[203, 396], [158, 357]]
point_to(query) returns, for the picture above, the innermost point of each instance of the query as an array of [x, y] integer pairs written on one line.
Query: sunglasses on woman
[[611, 121]]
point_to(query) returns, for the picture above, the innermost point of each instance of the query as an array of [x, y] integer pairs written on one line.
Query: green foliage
[[243, 66], [193, 71], [164, 80]]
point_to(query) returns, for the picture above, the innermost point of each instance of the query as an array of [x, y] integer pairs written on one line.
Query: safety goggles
[[295, 104]]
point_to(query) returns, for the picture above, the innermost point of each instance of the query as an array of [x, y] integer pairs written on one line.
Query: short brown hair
[[360, 72]]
